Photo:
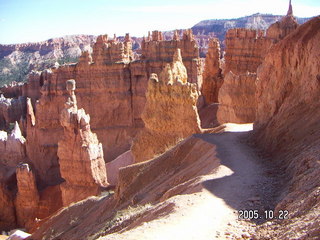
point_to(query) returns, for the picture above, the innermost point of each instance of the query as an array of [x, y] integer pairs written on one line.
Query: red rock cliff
[[27, 199], [112, 90], [170, 113], [212, 77], [80, 153], [288, 124]]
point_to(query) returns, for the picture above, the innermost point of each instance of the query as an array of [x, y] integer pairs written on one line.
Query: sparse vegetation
[[19, 70], [121, 218]]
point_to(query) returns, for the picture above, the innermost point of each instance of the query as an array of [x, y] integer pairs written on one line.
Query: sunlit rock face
[[212, 77], [245, 51], [80, 153], [170, 114]]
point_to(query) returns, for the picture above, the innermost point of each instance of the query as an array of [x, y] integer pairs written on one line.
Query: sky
[[37, 20]]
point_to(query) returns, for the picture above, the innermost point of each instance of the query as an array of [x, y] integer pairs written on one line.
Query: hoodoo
[[170, 114], [80, 153]]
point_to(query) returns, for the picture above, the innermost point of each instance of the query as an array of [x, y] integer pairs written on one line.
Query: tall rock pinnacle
[[290, 12]]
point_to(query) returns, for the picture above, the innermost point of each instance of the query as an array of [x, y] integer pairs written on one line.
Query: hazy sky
[[36, 20]]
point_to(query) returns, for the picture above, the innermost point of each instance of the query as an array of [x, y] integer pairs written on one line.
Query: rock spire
[[80, 153], [290, 12]]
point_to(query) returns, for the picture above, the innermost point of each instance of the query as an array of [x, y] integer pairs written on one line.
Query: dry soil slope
[[288, 126], [193, 191]]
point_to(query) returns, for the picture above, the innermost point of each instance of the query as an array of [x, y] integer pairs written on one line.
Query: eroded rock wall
[[237, 98], [245, 50], [287, 125], [80, 153], [154, 48], [212, 76], [26, 202], [111, 88], [170, 114]]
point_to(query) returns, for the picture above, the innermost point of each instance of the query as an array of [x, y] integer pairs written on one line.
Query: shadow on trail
[[241, 181]]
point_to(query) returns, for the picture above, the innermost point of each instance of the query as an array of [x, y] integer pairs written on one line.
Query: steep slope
[[193, 191], [288, 126]]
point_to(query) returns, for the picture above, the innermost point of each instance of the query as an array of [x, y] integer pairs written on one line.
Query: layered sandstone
[[155, 48], [237, 98], [287, 125], [112, 51], [111, 88], [170, 113], [245, 51], [26, 202], [80, 153], [212, 77], [37, 149]]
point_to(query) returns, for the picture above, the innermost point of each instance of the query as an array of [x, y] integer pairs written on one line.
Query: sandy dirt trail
[[240, 182]]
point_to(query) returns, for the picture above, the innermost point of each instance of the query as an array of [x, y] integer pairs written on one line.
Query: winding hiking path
[[239, 183]]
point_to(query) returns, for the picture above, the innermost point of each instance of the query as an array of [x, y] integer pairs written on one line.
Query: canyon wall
[[27, 198], [237, 98], [155, 48], [287, 125], [245, 51], [170, 114], [212, 76], [111, 87], [115, 116], [80, 153]]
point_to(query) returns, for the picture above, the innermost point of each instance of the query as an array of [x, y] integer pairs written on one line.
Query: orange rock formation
[[27, 199], [282, 28], [170, 113], [245, 51], [11, 110], [288, 125], [237, 98], [80, 153], [154, 48], [109, 70], [112, 89], [212, 77]]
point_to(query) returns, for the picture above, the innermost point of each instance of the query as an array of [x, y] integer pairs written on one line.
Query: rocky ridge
[[287, 127]]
